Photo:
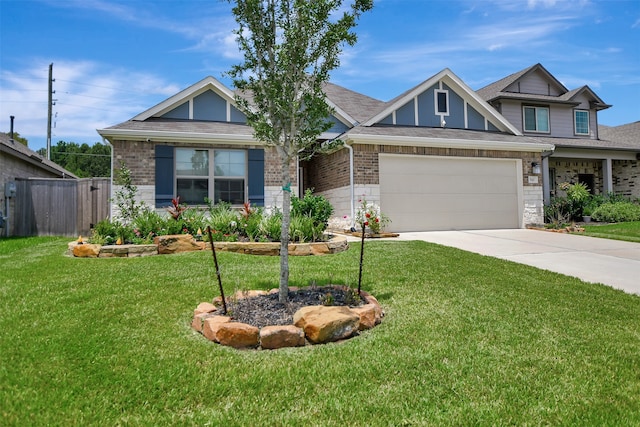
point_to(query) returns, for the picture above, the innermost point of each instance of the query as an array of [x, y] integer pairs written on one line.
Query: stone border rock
[[186, 243], [316, 324]]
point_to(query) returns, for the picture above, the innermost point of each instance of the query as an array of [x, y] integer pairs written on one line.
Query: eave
[[187, 137], [449, 143]]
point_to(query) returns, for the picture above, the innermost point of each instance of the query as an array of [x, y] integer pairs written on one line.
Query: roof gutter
[[450, 143], [160, 136]]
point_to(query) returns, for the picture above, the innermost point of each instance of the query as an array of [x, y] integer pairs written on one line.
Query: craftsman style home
[[439, 156], [538, 105]]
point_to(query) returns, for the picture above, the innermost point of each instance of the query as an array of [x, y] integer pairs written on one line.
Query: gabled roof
[[355, 106], [496, 89], [208, 83], [455, 83], [499, 90], [24, 153]]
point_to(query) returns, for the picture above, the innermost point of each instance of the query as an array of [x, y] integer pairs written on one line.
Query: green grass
[[467, 340], [629, 231]]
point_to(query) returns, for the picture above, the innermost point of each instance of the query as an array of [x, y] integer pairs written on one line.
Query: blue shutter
[[256, 177], [164, 175]]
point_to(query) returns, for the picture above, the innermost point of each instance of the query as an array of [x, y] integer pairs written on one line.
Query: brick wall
[[626, 177], [567, 170]]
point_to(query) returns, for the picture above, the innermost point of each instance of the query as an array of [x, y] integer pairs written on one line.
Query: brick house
[[436, 157], [540, 106]]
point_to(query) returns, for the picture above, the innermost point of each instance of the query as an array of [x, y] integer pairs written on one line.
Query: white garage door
[[422, 193]]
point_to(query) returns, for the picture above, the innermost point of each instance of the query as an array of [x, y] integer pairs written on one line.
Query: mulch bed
[[265, 310]]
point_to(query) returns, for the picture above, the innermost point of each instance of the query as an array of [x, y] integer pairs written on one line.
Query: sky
[[114, 59]]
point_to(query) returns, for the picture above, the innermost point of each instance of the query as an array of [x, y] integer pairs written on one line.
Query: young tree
[[289, 48]]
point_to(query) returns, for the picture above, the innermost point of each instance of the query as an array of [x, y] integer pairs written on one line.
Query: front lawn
[[467, 340], [629, 231]]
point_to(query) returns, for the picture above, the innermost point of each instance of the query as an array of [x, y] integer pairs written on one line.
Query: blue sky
[[114, 59]]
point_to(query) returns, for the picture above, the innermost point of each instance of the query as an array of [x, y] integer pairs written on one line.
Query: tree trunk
[[283, 295]]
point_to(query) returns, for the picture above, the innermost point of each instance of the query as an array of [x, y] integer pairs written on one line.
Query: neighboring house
[[18, 162], [435, 157], [542, 108]]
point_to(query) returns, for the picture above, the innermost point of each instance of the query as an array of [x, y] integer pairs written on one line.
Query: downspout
[[111, 177], [351, 187]]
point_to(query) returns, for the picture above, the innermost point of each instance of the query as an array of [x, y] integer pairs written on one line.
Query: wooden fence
[[59, 207]]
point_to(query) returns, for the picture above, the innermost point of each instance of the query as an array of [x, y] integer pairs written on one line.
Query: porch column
[[607, 176], [546, 188]]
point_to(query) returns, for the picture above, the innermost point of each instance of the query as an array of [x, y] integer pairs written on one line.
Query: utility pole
[[51, 92]]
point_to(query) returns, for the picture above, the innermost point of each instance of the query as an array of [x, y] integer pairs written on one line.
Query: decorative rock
[[237, 335], [274, 337], [212, 325], [142, 250], [86, 250], [247, 294], [369, 316], [197, 323], [326, 324], [204, 307], [176, 243]]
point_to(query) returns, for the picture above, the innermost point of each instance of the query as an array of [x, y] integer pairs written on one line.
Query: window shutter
[[256, 177], [164, 175]]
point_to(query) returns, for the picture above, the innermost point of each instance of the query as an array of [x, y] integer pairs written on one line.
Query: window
[[536, 119], [442, 102], [214, 174], [581, 121]]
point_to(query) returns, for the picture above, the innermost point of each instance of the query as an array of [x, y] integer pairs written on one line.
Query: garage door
[[421, 193]]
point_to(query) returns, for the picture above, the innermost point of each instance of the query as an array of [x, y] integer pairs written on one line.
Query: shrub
[[316, 207], [147, 225], [271, 225], [303, 229], [617, 212], [223, 218]]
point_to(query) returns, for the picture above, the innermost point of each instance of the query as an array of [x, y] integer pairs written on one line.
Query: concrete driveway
[[611, 262]]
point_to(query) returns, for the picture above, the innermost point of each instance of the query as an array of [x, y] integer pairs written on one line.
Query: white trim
[[416, 113], [466, 118], [449, 143], [437, 104], [162, 136]]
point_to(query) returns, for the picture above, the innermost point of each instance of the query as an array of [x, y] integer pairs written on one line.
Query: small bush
[[316, 207], [617, 212], [271, 225]]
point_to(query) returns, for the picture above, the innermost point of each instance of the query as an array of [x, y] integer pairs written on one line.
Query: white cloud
[[89, 96]]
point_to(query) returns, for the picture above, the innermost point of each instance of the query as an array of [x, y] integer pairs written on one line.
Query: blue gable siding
[[237, 116], [387, 120], [405, 115], [475, 120], [210, 106], [336, 125], [180, 112], [455, 119], [426, 108]]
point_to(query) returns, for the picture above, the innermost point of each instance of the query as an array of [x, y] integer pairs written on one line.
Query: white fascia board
[[341, 114], [184, 95], [413, 141], [160, 136]]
